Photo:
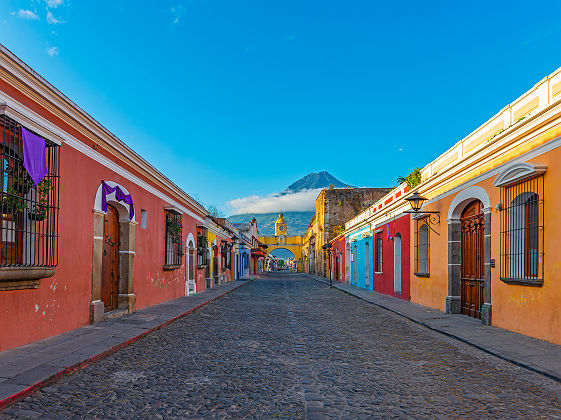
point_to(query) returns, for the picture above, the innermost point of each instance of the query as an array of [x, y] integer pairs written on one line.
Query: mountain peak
[[314, 180]]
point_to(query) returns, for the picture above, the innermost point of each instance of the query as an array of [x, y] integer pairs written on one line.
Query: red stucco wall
[[384, 283], [339, 272], [62, 302]]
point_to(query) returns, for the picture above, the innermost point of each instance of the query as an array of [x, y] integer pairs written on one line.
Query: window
[[29, 216], [421, 248], [378, 244], [174, 235], [522, 231], [143, 218], [202, 256], [225, 252]]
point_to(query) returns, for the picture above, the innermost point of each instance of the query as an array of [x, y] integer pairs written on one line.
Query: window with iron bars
[[522, 232], [202, 255], [225, 252], [378, 244], [422, 244], [29, 216], [174, 235]]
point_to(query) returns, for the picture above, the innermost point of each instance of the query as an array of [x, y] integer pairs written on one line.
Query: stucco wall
[[529, 310]]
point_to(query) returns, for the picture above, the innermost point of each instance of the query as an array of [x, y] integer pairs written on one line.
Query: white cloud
[[300, 201], [53, 20], [52, 51], [54, 3], [177, 13], [27, 14]]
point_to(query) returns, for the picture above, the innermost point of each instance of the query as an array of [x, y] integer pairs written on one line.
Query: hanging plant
[[174, 227], [201, 241]]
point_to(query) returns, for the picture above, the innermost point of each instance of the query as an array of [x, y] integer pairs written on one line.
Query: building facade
[[334, 206], [484, 243], [99, 233]]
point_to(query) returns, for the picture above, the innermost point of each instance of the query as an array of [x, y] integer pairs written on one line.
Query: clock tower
[[280, 226]]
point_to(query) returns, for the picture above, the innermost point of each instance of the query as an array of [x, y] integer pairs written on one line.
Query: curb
[[8, 401], [463, 340]]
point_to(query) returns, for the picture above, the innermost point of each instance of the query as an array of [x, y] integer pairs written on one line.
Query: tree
[[215, 211]]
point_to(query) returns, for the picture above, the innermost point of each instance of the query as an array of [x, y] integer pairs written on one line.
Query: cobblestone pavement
[[287, 346]]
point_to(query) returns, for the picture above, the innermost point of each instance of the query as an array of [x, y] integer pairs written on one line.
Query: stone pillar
[[97, 308], [127, 298], [454, 300], [486, 310]]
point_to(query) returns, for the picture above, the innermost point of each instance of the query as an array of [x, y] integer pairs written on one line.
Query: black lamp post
[[416, 201], [327, 247]]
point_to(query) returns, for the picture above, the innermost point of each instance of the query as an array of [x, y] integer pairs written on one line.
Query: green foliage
[[337, 230], [174, 227], [21, 184], [412, 180]]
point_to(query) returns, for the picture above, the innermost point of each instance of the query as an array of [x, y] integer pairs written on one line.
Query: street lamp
[[416, 202], [327, 247]]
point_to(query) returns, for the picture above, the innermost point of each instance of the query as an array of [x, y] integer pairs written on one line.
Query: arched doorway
[[190, 284], [397, 263], [472, 267], [347, 263], [110, 260], [469, 254], [355, 258], [113, 255], [366, 265]]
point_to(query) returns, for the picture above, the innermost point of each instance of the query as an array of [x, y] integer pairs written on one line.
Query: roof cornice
[[24, 79]]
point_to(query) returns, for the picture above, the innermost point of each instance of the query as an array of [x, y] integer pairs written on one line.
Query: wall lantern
[[429, 218], [416, 201]]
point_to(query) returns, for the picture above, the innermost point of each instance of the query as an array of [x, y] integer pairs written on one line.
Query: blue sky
[[240, 98]]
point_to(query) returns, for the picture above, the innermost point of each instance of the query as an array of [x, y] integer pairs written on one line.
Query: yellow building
[[488, 246], [281, 240]]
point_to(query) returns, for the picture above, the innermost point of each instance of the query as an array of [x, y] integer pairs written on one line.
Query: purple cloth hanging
[[119, 196], [34, 155], [388, 232]]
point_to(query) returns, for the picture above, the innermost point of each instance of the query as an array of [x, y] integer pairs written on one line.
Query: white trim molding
[[124, 208], [464, 197], [517, 172]]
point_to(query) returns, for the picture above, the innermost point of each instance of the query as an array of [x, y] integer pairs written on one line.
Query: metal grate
[[174, 235], [202, 258], [29, 216], [522, 231], [378, 242], [422, 247]]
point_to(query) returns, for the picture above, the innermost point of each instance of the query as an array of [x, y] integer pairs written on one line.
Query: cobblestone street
[[287, 346]]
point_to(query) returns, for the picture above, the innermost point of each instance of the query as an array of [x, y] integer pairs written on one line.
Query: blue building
[[361, 258]]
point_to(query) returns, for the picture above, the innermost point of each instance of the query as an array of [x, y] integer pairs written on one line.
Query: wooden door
[[110, 261], [472, 292]]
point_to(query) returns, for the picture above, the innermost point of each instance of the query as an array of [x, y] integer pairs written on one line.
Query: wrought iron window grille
[[522, 231], [29, 216], [174, 238]]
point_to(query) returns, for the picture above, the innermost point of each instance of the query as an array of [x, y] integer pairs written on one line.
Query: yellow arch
[[292, 243]]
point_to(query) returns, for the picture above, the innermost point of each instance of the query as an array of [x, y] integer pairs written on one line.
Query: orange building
[[485, 240], [495, 252]]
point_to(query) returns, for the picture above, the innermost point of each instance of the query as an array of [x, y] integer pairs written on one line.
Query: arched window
[[522, 231], [524, 245], [422, 249]]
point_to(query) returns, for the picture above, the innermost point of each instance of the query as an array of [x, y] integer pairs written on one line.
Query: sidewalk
[[25, 369], [537, 355]]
